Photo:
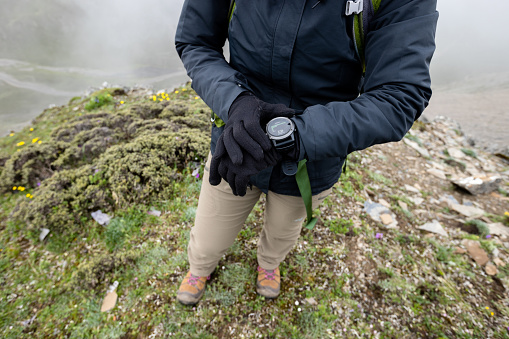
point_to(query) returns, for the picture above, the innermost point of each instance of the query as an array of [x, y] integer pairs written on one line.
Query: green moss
[[74, 100], [123, 227], [103, 98], [482, 227], [106, 160], [29, 166], [414, 139], [98, 101], [339, 226], [469, 152], [378, 177], [91, 273]]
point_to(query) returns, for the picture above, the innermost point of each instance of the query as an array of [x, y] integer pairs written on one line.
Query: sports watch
[[281, 131]]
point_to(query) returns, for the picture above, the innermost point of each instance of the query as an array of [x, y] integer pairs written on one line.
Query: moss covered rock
[[107, 160]]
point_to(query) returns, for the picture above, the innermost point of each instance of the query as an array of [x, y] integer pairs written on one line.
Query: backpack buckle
[[354, 7]]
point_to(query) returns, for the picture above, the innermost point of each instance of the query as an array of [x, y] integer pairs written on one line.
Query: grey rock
[[422, 151], [478, 184], [499, 229], [468, 211], [28, 322], [403, 205], [102, 218], [44, 234], [434, 201], [449, 199], [467, 202], [437, 173], [456, 153], [456, 163], [412, 189], [154, 212], [503, 153], [311, 301], [375, 211], [434, 227], [416, 200]]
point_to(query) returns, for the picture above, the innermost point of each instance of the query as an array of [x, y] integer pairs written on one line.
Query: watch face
[[280, 128]]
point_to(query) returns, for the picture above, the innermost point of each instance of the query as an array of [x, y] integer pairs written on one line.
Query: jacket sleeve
[[397, 85], [201, 34]]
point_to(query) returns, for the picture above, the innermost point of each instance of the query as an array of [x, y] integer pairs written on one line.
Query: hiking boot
[[268, 283], [191, 289]]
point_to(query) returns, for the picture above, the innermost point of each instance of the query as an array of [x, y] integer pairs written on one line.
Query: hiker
[[298, 70]]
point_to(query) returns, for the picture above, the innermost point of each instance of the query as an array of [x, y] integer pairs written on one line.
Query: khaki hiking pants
[[221, 215]]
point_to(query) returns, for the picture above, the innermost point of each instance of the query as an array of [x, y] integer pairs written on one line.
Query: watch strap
[[290, 167]]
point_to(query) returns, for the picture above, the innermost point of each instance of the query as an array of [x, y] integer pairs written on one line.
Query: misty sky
[[472, 38], [123, 35]]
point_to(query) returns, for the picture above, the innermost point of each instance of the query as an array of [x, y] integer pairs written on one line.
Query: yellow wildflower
[[39, 142], [35, 140], [154, 98], [21, 143], [492, 313], [487, 308], [31, 129], [21, 188], [196, 98], [506, 214], [11, 135], [176, 92], [14, 188], [28, 195], [31, 196], [121, 102], [184, 89], [167, 99]]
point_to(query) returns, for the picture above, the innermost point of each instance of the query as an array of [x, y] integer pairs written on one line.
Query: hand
[[237, 176], [244, 132]]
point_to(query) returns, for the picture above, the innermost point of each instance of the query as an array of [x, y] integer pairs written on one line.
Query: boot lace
[[269, 275], [193, 279]]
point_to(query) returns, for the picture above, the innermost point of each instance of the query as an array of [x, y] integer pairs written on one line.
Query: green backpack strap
[[363, 11], [232, 8]]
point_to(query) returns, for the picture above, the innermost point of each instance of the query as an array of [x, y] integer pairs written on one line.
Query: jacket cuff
[[225, 95]]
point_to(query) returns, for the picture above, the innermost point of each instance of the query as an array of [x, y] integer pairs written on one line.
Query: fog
[[472, 41], [50, 49]]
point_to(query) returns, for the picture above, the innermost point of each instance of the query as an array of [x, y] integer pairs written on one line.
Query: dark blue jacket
[[303, 56]]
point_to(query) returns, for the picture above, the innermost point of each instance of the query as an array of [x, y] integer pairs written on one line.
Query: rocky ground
[[413, 242]]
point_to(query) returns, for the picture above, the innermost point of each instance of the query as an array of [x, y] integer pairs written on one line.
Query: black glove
[[237, 176], [245, 130]]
